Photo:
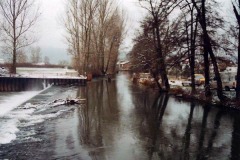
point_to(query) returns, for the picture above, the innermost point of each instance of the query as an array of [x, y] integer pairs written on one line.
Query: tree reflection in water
[[187, 135], [203, 132], [96, 116], [123, 121], [235, 147]]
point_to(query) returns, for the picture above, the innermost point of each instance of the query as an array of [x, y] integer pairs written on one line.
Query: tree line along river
[[118, 121]]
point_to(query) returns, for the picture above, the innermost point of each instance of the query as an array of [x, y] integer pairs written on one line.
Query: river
[[118, 121]]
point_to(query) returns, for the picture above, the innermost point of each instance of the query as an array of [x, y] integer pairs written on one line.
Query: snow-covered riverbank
[[42, 73]]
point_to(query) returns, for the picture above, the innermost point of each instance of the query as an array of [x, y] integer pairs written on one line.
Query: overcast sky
[[51, 31]]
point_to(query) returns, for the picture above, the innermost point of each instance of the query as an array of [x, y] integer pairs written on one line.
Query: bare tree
[[191, 29], [17, 19], [86, 20], [208, 50], [105, 13], [94, 34], [21, 56], [63, 63], [160, 11], [113, 36], [46, 60], [78, 24], [143, 55], [36, 56], [73, 31]]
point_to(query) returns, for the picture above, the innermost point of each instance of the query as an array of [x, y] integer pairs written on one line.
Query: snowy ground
[[175, 82], [43, 73]]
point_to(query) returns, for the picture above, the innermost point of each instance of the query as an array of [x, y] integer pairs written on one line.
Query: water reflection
[[187, 135], [98, 118], [122, 121], [235, 147]]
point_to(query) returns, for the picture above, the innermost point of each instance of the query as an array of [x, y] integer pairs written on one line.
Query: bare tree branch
[[18, 18]]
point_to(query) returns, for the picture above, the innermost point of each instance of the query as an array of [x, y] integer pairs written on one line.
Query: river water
[[117, 121]]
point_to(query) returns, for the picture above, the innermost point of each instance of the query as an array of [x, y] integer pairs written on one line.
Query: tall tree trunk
[[187, 135], [238, 70], [192, 50], [206, 70], [102, 53], [155, 76], [203, 132], [216, 71], [109, 56], [162, 64], [13, 69], [208, 48], [189, 49], [235, 147]]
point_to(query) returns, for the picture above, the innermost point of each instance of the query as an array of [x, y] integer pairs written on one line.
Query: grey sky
[[49, 23], [51, 31]]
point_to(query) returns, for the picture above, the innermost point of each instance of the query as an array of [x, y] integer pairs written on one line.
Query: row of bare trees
[[197, 35], [34, 56], [94, 34]]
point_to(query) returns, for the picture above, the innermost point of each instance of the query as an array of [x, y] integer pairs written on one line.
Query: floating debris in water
[[68, 101]]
